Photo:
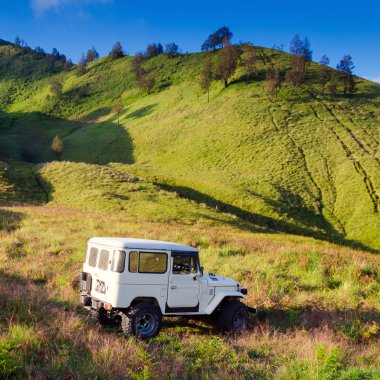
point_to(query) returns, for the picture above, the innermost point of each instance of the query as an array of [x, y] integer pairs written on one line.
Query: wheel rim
[[145, 323], [239, 321]]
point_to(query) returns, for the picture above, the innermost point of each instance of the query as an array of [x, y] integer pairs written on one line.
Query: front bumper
[[86, 300], [91, 303]]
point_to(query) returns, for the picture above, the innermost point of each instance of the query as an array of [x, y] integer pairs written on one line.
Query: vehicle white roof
[[130, 243]]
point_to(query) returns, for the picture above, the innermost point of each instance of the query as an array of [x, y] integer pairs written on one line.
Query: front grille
[[85, 282]]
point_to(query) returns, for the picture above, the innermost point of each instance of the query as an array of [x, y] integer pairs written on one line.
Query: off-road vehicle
[[134, 282]]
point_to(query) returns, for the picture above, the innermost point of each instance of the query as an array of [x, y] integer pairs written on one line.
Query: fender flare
[[152, 300], [219, 298]]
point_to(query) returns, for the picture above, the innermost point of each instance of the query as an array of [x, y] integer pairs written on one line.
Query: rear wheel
[[233, 317], [143, 320]]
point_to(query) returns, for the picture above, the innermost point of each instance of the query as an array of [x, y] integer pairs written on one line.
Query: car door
[[184, 287]]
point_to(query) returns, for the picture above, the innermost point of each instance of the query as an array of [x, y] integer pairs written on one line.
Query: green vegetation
[[303, 164], [231, 175]]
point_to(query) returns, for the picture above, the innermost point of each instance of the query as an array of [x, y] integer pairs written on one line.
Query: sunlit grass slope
[[303, 164], [100, 188], [318, 303]]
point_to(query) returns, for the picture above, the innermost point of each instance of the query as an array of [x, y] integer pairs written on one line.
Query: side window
[[92, 257], [133, 259], [118, 261], [184, 264], [103, 259], [153, 262]]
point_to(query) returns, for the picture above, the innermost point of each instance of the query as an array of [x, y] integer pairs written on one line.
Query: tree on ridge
[[346, 67], [117, 51], [228, 59], [324, 72], [206, 75], [221, 38]]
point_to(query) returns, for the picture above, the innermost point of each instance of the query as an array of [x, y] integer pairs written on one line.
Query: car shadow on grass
[[309, 318], [53, 339]]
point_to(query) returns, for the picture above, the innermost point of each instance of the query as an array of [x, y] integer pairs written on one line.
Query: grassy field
[[318, 303], [282, 196]]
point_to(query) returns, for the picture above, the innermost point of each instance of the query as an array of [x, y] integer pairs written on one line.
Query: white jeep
[[136, 281]]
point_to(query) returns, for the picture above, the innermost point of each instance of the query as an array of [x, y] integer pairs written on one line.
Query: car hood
[[213, 280]]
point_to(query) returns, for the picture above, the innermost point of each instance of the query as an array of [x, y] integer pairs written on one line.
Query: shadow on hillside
[[34, 133], [310, 318], [98, 143], [368, 91], [94, 115], [26, 186], [266, 222], [293, 207], [9, 220], [141, 112], [258, 76]]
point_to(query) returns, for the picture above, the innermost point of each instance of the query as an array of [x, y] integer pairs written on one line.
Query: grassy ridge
[[100, 188]]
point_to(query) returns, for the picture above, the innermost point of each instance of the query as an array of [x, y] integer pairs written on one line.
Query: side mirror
[[201, 275]]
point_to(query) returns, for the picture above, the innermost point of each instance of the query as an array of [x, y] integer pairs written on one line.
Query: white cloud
[[41, 6], [376, 79]]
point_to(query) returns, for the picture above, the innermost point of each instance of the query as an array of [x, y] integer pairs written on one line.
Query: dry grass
[[318, 304]]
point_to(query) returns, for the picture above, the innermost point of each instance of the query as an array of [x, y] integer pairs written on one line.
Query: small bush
[[8, 365], [329, 362], [353, 330]]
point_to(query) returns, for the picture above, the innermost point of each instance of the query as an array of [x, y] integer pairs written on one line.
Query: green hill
[[304, 164]]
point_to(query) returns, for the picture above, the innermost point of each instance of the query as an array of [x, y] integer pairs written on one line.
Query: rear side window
[[103, 259], [153, 262], [92, 257], [118, 261], [133, 260]]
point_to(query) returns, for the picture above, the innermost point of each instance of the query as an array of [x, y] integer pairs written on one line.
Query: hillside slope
[[303, 164]]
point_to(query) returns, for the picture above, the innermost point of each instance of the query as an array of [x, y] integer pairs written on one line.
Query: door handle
[[173, 287]]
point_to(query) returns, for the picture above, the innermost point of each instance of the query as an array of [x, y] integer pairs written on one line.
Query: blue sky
[[73, 26]]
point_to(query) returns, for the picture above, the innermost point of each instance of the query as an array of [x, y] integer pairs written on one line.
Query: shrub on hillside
[[82, 66], [57, 147], [117, 51], [171, 50]]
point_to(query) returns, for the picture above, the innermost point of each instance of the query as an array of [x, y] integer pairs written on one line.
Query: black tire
[[143, 320], [233, 317]]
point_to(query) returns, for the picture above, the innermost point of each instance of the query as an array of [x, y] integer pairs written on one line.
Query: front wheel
[[143, 320], [233, 317]]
